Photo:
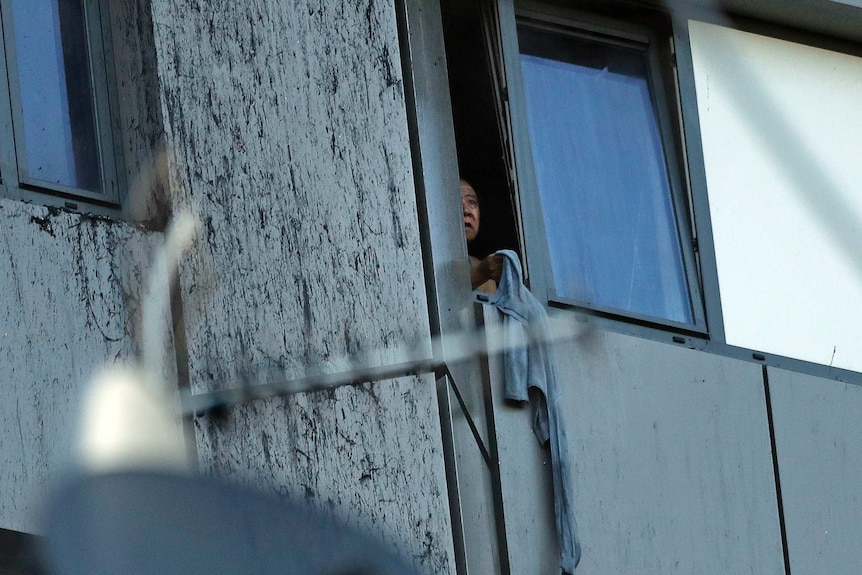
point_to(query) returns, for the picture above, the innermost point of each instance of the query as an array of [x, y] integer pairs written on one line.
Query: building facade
[[679, 178]]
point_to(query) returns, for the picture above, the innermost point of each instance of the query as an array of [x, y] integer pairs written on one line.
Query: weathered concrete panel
[[139, 129], [818, 431], [70, 288], [287, 131], [671, 456], [366, 453]]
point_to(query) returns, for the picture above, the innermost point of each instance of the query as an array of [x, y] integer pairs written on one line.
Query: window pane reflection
[[602, 177], [56, 93]]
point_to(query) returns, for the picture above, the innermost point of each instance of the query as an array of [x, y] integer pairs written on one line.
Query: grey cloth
[[531, 366]]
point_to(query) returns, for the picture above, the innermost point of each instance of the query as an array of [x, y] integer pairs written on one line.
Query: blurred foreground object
[[132, 507], [127, 426], [149, 523]]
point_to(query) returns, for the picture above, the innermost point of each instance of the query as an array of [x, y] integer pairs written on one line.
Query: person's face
[[470, 206]]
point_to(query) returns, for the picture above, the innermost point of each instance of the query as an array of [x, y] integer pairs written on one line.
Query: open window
[[479, 114], [586, 140], [604, 168], [608, 129]]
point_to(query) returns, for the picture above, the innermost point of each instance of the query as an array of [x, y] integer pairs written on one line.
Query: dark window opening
[[482, 158]]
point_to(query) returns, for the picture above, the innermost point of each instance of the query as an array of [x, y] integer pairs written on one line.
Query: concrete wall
[[138, 116], [286, 129], [71, 287], [291, 144]]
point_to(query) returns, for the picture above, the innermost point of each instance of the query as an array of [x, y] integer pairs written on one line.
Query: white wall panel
[[781, 139]]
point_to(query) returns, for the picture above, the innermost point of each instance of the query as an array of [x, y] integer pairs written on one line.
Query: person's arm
[[489, 268]]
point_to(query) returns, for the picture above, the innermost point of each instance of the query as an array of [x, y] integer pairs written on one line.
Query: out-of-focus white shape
[[781, 125], [127, 420], [156, 308], [125, 425]]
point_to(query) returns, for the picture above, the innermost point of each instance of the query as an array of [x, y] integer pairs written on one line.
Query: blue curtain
[[604, 188]]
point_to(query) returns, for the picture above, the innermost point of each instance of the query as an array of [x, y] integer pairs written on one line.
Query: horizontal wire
[[457, 347]]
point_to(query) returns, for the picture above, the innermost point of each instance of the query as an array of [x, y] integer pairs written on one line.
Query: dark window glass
[[602, 176], [56, 93]]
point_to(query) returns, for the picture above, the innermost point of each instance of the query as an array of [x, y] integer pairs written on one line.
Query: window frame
[[822, 23], [15, 183], [813, 34], [767, 22], [663, 84]]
